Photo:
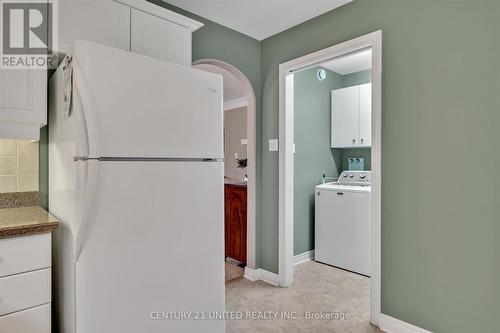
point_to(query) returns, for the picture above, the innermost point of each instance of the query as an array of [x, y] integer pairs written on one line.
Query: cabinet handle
[[362, 140], [353, 140]]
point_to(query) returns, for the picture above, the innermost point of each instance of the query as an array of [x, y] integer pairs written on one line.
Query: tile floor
[[317, 288]]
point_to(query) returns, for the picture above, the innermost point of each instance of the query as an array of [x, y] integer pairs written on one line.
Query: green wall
[[441, 106], [313, 154]]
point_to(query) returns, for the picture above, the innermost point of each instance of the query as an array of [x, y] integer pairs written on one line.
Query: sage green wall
[[441, 102], [313, 154], [357, 78]]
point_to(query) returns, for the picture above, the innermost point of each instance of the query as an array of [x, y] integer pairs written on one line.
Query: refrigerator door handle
[[87, 219], [89, 128]]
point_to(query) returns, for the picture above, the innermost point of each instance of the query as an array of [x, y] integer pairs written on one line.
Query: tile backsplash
[[18, 166]]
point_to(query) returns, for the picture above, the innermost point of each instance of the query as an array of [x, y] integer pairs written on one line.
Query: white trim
[[303, 257], [235, 103], [162, 13], [262, 275], [251, 154], [392, 325], [286, 137]]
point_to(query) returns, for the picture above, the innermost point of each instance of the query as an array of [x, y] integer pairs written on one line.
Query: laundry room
[[332, 107]]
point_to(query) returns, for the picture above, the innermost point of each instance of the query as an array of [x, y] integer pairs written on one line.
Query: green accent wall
[[441, 105], [355, 79], [313, 154]]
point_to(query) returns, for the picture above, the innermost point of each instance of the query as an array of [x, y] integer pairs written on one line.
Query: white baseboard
[[303, 257], [392, 325], [263, 275]]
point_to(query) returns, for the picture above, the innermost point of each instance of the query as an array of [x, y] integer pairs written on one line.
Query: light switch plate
[[244, 142], [273, 145]]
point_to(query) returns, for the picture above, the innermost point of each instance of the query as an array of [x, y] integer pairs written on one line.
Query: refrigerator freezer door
[[137, 106], [155, 246]]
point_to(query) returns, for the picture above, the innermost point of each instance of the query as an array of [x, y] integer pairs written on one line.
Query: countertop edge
[[27, 230]]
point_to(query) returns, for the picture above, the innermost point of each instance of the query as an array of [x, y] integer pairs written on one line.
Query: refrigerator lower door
[[153, 248]]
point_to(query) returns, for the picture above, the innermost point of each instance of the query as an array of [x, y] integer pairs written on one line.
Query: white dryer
[[342, 222]]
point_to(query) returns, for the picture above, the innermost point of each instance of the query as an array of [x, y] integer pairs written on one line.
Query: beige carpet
[[317, 289], [233, 272]]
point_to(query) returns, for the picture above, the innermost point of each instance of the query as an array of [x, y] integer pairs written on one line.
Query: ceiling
[[351, 63], [258, 18]]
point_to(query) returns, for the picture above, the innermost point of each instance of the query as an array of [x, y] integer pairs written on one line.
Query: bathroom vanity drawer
[[34, 320], [23, 291], [24, 254]]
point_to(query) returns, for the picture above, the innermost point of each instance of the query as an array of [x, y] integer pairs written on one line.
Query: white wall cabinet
[[351, 117], [159, 38], [25, 284], [102, 21], [23, 103], [132, 25]]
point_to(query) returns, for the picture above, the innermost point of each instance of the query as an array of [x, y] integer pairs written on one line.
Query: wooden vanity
[[235, 198]]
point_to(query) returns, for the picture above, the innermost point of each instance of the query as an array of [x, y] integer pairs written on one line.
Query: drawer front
[[34, 320], [23, 254], [22, 291]]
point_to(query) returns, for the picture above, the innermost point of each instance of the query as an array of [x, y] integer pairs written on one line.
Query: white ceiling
[[351, 63], [233, 92], [258, 18]]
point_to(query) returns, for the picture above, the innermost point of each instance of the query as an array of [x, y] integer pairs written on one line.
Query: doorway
[[240, 165], [287, 71]]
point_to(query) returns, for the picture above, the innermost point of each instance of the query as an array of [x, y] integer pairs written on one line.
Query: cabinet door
[[23, 102], [102, 21], [158, 38], [345, 115], [365, 115], [235, 222]]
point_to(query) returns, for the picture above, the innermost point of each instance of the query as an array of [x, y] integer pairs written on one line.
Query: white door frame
[[251, 155], [286, 143]]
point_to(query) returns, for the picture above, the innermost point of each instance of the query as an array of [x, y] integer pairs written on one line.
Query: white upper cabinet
[[23, 103], [158, 38], [102, 21], [133, 25], [365, 115], [345, 117], [351, 117]]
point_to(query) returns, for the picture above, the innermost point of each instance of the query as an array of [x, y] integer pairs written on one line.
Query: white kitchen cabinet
[[23, 103], [365, 115], [351, 117], [159, 38], [133, 25], [102, 21], [34, 320], [160, 33], [25, 284]]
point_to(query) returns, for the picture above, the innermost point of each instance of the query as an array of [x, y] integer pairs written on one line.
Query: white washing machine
[[342, 222]]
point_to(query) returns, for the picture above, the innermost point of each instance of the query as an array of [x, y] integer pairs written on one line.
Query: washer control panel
[[355, 178]]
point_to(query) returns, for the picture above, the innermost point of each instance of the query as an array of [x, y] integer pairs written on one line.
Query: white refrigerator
[[136, 179]]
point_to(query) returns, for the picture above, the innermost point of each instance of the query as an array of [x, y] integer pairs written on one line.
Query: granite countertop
[[234, 182], [23, 221]]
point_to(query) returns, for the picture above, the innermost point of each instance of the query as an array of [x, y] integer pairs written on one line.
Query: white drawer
[[23, 254], [22, 291], [34, 320]]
